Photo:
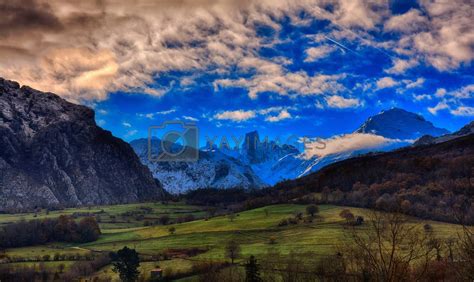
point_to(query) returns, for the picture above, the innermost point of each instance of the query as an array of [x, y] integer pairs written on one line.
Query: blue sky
[[305, 68], [362, 70]]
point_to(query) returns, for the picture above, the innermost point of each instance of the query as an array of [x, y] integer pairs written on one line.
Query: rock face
[[52, 153], [213, 169], [429, 140], [400, 124]]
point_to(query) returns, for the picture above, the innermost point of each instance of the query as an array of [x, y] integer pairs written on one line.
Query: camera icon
[[173, 141]]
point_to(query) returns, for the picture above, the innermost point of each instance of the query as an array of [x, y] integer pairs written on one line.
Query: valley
[[258, 232]]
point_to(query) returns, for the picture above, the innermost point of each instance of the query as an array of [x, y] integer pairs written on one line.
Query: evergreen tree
[[126, 263], [252, 270]]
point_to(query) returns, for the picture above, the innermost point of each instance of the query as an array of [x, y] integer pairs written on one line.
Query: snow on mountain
[[258, 163], [400, 124], [385, 131], [212, 169]]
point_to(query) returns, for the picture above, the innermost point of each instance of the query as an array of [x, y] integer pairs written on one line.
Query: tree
[[312, 210], [126, 263], [232, 250], [172, 230], [89, 229], [164, 219], [347, 215], [252, 273], [387, 248], [232, 216]]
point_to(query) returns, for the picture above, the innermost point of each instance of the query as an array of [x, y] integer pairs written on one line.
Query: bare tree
[[232, 250], [387, 249]]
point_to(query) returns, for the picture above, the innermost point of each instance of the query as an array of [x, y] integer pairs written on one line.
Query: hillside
[[52, 153], [428, 181]]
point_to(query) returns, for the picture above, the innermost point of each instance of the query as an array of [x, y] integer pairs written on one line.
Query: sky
[[285, 68]]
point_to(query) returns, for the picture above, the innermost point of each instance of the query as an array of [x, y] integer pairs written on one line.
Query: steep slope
[[399, 124], [213, 169], [429, 181], [428, 139], [52, 153], [385, 131]]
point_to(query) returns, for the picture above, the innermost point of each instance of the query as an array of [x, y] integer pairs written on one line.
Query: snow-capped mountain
[[385, 131], [213, 169], [259, 163], [400, 124]]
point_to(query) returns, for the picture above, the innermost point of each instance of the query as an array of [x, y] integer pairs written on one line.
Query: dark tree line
[[430, 182], [41, 231]]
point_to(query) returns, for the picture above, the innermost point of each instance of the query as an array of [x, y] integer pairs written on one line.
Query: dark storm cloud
[[16, 16]]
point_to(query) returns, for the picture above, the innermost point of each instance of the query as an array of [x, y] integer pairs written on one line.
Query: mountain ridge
[[52, 153]]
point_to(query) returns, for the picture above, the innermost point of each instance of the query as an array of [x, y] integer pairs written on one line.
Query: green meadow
[[257, 231]]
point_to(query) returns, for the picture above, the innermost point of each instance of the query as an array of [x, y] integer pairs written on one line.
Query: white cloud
[[440, 106], [400, 66], [238, 116], [440, 92], [463, 111], [385, 82], [88, 54], [153, 115], [409, 22], [281, 116], [190, 118], [286, 83], [346, 144], [413, 84], [422, 97], [126, 124], [342, 103], [315, 53]]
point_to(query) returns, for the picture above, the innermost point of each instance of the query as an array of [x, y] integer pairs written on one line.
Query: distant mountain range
[[212, 169], [52, 153], [258, 163]]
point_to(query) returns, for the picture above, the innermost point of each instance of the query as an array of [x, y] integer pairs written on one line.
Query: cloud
[[281, 116], [315, 53], [190, 118], [84, 50], [400, 65], [238, 116], [422, 97], [413, 84], [440, 92], [463, 111], [153, 115], [409, 22], [286, 84], [342, 103], [346, 144], [385, 82], [126, 124], [440, 106]]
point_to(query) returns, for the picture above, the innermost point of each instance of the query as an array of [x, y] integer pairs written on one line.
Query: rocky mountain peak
[[52, 153], [397, 123]]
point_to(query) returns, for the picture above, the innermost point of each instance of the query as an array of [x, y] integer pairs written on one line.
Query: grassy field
[[116, 218], [253, 229]]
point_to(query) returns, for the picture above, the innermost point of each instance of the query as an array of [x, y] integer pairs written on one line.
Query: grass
[[252, 229], [113, 218]]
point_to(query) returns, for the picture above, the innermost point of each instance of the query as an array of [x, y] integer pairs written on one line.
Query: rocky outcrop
[[53, 153], [212, 169]]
